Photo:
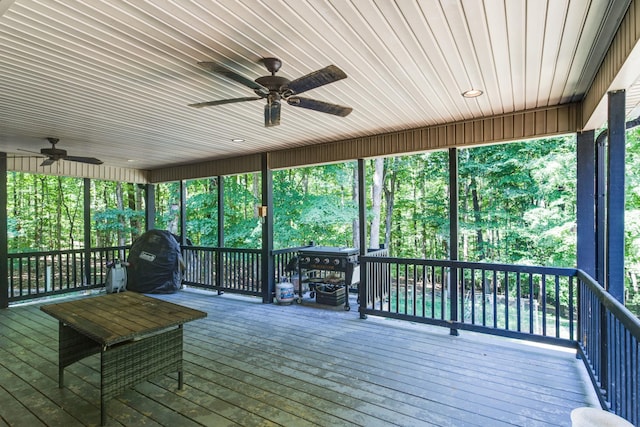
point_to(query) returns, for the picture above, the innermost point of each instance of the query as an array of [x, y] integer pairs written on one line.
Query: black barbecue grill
[[324, 259]]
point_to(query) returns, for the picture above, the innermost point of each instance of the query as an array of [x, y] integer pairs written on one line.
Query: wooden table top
[[113, 318]]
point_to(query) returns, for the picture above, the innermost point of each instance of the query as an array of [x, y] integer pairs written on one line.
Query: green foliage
[[314, 204], [517, 202], [632, 220], [47, 213], [202, 212]]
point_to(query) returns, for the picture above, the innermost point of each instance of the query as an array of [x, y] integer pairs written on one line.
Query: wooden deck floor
[[253, 364]]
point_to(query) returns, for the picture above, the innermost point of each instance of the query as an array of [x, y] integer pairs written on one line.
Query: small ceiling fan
[[54, 154], [276, 88]]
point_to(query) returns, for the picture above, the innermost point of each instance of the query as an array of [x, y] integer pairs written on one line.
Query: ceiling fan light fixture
[[472, 93]]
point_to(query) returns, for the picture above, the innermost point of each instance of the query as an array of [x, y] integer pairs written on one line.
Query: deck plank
[[253, 364]]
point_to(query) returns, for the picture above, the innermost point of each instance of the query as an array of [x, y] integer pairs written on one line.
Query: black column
[[616, 196], [586, 213], [183, 213], [453, 233], [4, 245], [601, 211], [219, 263], [150, 207], [362, 230], [268, 282], [362, 206], [220, 211], [87, 230]]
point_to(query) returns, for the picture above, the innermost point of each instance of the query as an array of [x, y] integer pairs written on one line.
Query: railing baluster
[[506, 300], [518, 302]]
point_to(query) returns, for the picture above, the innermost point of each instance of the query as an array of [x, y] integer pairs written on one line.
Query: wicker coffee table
[[138, 338]]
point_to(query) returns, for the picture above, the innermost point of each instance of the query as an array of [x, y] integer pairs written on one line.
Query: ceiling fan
[[54, 154], [276, 88]]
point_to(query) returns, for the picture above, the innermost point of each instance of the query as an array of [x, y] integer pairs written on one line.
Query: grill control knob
[[307, 260], [316, 260], [326, 260], [336, 261]]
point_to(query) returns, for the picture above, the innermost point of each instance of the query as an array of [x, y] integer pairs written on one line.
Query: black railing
[[608, 335], [561, 306], [42, 274], [281, 259], [223, 269], [232, 270], [495, 298]]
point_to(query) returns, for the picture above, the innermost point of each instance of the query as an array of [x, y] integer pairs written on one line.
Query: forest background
[[517, 205]]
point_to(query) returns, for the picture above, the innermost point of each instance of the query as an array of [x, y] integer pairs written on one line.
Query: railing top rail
[[288, 250], [216, 249], [622, 313], [513, 268], [64, 251]]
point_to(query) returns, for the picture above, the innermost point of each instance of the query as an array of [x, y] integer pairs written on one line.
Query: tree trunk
[[120, 206], [477, 218], [70, 213], [389, 195], [134, 224], [376, 196]]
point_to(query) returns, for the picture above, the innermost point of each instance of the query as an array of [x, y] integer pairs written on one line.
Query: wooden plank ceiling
[[112, 79]]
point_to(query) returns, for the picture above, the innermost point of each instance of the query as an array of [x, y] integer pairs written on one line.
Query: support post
[[4, 245], [616, 196], [362, 225], [183, 213], [585, 209], [362, 206], [150, 207], [453, 235], [601, 217], [268, 280], [87, 230], [218, 255]]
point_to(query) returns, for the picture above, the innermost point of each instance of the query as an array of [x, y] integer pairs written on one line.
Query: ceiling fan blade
[[89, 160], [29, 151], [217, 68], [272, 114], [223, 101], [324, 107], [47, 162], [318, 78]]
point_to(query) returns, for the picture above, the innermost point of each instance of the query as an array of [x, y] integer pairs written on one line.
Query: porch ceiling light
[[237, 140], [472, 93]]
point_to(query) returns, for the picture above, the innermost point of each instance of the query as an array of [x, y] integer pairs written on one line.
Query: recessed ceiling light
[[131, 160], [472, 93], [237, 140]]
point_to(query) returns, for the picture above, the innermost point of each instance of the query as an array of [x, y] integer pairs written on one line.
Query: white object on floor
[[594, 417]]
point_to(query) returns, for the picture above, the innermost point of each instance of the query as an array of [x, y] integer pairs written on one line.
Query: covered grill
[[325, 259]]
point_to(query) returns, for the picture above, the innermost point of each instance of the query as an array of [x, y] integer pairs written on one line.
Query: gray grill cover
[[154, 263]]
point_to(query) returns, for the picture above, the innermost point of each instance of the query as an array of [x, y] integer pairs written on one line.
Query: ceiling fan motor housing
[[273, 83], [54, 153]]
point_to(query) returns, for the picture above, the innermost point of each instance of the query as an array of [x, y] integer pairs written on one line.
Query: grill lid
[[329, 251]]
